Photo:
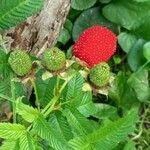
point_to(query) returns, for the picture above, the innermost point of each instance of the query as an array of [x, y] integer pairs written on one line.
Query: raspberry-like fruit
[[100, 74], [20, 62], [96, 44], [54, 59]]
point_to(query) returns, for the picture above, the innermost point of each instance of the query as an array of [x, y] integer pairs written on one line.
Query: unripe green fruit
[[100, 74], [20, 62], [54, 59]]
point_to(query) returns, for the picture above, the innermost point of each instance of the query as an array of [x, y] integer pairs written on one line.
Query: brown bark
[[40, 31]]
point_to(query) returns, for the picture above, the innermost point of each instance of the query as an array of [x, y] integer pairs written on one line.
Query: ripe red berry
[[96, 44]]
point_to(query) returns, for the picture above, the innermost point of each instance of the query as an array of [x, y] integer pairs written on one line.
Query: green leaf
[[5, 86], [141, 0], [107, 137], [89, 18], [61, 125], [4, 66], [68, 25], [135, 56], [27, 112], [45, 89], [85, 105], [11, 131], [130, 146], [20, 90], [74, 90], [121, 93], [146, 51], [140, 84], [26, 142], [82, 4], [104, 1], [79, 124], [10, 145], [69, 53], [5, 72], [64, 36], [105, 111], [126, 13], [45, 131], [13, 12], [126, 41]]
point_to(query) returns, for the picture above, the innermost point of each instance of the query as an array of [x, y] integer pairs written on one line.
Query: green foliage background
[[63, 113]]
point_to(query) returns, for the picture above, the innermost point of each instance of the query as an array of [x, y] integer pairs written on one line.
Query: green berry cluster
[[100, 74], [54, 60], [20, 62]]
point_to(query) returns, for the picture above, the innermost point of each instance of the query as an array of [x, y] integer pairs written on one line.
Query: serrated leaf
[[45, 131], [74, 90], [10, 145], [26, 142], [107, 137], [11, 131], [27, 112], [13, 11], [79, 124], [89, 18], [82, 4], [61, 125], [20, 90], [4, 66]]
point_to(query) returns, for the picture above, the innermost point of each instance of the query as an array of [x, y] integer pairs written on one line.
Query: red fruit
[[96, 44]]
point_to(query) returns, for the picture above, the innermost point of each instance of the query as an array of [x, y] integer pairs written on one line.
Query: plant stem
[[13, 98], [36, 93], [50, 106], [56, 92], [53, 102], [57, 86]]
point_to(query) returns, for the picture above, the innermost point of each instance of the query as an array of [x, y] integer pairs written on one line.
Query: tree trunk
[[40, 31]]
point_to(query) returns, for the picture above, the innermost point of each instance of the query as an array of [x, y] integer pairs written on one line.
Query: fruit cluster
[[95, 46]]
